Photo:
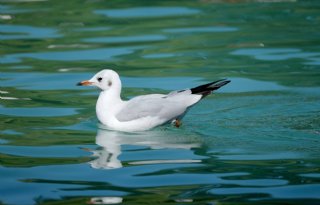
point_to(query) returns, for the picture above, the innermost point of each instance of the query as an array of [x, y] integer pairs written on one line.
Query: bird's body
[[146, 111]]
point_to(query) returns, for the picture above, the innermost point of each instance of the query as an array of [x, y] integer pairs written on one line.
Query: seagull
[[143, 112]]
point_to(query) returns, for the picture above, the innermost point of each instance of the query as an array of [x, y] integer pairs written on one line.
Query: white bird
[[146, 111]]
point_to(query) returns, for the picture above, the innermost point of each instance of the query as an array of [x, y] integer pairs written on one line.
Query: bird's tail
[[206, 89]]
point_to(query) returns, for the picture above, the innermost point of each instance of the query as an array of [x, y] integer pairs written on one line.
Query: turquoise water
[[256, 141]]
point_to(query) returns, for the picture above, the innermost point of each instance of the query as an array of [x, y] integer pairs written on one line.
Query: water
[[256, 141]]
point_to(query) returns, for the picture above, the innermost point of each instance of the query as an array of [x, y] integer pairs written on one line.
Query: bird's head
[[105, 80]]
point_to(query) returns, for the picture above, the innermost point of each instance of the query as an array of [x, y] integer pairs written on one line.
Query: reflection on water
[[105, 200], [110, 143], [107, 157]]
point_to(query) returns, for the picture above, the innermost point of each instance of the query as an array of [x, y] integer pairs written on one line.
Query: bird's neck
[[109, 100], [108, 105]]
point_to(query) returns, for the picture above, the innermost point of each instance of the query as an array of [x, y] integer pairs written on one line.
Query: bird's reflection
[[105, 200], [110, 142], [107, 157]]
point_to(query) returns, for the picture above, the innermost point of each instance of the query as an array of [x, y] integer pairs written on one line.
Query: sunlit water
[[256, 141]]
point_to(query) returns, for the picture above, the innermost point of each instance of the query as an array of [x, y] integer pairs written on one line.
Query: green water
[[256, 141]]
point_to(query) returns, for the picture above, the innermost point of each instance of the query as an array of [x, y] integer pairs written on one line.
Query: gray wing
[[166, 107]]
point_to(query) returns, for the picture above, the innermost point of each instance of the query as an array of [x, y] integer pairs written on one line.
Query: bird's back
[[166, 107]]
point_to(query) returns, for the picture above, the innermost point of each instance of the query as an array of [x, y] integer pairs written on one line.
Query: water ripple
[[278, 54], [201, 29], [99, 54], [147, 12], [10, 32], [126, 39], [307, 191], [37, 111]]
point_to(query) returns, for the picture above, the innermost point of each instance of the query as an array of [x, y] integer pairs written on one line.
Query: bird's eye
[[99, 79]]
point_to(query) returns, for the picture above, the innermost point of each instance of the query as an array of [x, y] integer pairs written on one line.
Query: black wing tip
[[210, 87], [220, 83], [225, 81]]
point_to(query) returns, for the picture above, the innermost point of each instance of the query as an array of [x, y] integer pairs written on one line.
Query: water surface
[[256, 141]]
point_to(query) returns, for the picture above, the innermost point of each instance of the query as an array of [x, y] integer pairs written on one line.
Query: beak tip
[[84, 83]]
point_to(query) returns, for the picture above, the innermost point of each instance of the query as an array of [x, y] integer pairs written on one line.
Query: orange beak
[[84, 83]]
